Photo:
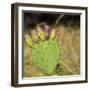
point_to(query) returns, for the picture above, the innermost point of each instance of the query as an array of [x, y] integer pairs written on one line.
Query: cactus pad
[[46, 55]]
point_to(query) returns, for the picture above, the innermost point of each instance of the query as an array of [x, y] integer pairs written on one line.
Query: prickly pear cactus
[[46, 52], [45, 56]]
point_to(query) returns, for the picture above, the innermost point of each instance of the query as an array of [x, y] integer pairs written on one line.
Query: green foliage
[[45, 55]]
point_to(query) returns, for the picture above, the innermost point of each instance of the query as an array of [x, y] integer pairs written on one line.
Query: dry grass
[[69, 39], [70, 47]]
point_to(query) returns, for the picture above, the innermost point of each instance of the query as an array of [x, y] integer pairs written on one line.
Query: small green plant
[[46, 52]]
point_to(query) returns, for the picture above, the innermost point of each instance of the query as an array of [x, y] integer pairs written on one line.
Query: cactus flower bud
[[47, 31]]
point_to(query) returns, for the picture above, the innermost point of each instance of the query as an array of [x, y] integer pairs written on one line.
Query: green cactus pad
[[46, 55]]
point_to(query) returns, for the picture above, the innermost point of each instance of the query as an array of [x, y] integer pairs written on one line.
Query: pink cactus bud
[[47, 31], [46, 28]]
